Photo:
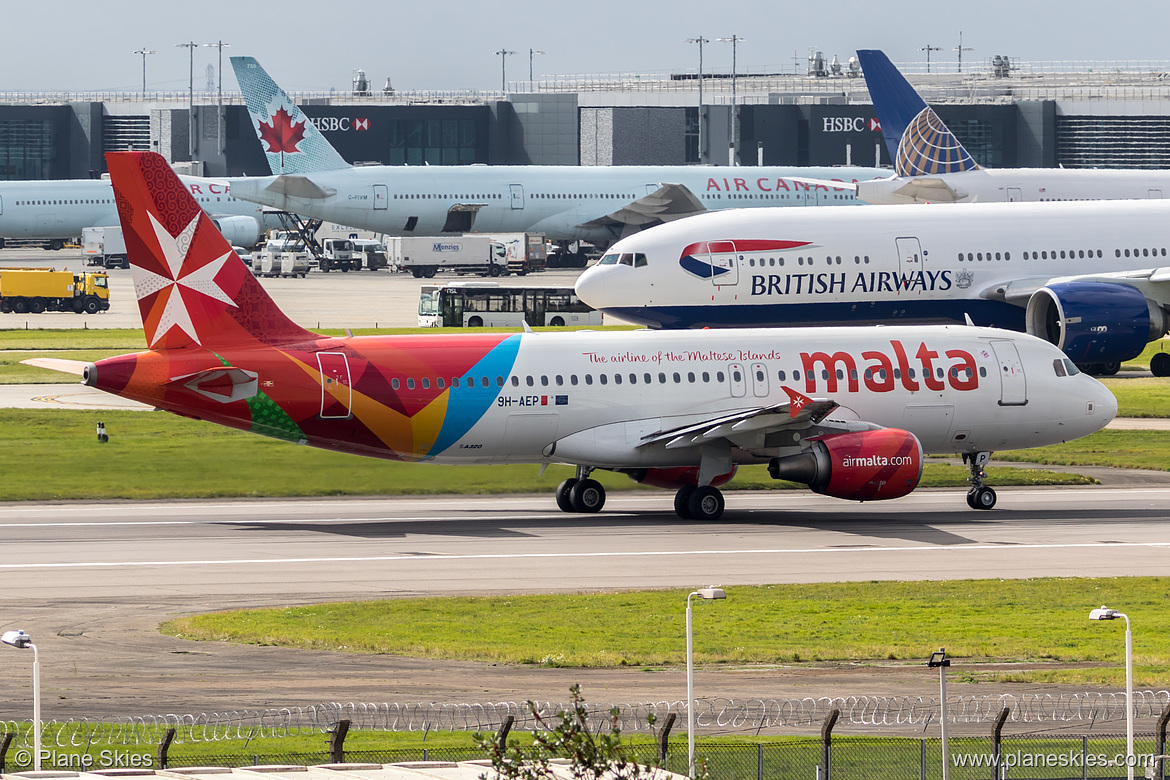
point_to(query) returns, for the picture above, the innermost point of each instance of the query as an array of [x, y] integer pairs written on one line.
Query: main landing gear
[[978, 497], [580, 493], [699, 503]]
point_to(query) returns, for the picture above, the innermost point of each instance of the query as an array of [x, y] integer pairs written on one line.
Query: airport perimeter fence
[[1033, 757]]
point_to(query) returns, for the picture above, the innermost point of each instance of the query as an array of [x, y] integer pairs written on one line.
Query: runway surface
[[91, 581]]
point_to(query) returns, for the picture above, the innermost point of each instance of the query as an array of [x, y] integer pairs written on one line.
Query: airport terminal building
[[1008, 114]]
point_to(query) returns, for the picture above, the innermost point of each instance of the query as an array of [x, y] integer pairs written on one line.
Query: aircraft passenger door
[[1153, 193], [735, 375], [724, 264], [909, 255], [381, 195], [517, 191], [336, 391], [759, 380], [1013, 385], [1014, 195]]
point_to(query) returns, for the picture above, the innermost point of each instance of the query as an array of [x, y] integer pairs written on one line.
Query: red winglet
[[797, 401]]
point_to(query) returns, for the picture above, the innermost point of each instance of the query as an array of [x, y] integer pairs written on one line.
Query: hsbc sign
[[340, 124], [848, 124]]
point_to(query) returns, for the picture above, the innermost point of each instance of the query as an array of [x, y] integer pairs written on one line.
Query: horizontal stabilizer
[[76, 367], [299, 187]]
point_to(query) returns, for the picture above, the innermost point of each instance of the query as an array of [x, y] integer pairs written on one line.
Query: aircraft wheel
[[706, 503], [981, 498], [682, 502], [1109, 369], [563, 501], [587, 496], [1160, 364]]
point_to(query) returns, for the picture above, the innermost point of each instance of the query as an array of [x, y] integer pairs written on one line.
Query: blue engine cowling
[[1095, 322]]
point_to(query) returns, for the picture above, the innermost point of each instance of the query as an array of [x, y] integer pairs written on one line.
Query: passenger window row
[[773, 261], [432, 196]]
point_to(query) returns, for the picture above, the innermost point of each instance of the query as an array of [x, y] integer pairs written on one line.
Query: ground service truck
[[104, 246], [464, 255], [35, 290]]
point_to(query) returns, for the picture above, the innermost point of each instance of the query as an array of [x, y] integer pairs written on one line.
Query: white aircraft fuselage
[[559, 201], [1089, 277], [62, 208], [1031, 185]]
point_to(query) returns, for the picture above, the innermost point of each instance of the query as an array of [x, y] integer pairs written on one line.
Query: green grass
[[1043, 621], [158, 455], [1112, 449]]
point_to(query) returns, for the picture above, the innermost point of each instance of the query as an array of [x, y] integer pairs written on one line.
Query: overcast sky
[[83, 45]]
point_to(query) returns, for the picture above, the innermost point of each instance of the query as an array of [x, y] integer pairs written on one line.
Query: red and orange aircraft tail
[[192, 288]]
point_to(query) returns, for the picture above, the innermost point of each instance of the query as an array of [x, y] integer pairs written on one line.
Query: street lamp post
[[504, 68], [940, 661], [960, 49], [21, 640], [531, 52], [734, 139], [1104, 613], [700, 40], [219, 114], [190, 47], [928, 49], [144, 51], [703, 593]]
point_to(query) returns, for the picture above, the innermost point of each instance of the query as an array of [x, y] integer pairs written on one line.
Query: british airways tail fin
[[192, 288], [291, 142], [918, 141]]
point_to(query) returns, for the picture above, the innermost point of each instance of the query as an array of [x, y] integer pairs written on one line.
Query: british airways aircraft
[[56, 210], [1091, 278], [933, 166], [847, 411], [567, 203]]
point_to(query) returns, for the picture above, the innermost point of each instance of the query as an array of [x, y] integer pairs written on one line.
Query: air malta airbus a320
[[847, 411]]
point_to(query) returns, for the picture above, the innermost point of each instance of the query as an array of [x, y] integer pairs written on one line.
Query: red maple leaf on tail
[[281, 134]]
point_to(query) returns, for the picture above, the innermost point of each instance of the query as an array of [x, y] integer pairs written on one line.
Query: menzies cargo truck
[[465, 255], [35, 290]]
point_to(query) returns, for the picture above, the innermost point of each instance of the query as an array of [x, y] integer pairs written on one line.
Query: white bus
[[487, 304]]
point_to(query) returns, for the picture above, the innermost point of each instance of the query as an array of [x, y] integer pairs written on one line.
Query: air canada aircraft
[[931, 164], [566, 203], [1091, 278], [848, 411], [55, 210]]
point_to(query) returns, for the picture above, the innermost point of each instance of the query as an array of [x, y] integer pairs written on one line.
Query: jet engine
[[1095, 322], [862, 466], [675, 478], [239, 231]]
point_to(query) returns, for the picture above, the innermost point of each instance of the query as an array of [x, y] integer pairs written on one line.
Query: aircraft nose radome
[[1104, 404], [590, 287]]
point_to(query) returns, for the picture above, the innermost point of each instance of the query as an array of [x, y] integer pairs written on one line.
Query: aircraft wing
[[800, 413], [666, 204], [1018, 291]]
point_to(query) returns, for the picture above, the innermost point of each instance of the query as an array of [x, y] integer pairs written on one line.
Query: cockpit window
[[639, 260], [1071, 367], [627, 258], [608, 260], [1058, 367], [1065, 367]]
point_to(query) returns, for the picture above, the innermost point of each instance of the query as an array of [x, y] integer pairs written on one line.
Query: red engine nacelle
[[675, 478], [864, 466]]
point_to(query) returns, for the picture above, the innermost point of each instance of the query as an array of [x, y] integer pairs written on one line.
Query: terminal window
[[28, 149], [432, 142]]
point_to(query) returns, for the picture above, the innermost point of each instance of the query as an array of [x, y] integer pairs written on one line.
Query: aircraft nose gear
[[581, 494], [978, 497]]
